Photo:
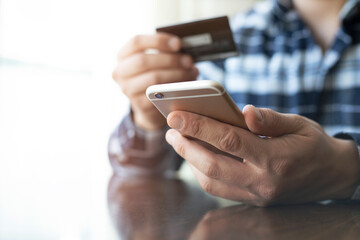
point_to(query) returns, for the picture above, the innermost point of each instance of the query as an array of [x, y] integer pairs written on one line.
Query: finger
[[140, 63], [212, 165], [161, 41], [215, 150], [139, 84], [236, 141], [221, 189], [266, 122]]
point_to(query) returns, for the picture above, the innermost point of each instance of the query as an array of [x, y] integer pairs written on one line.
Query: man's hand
[[297, 162], [137, 69]]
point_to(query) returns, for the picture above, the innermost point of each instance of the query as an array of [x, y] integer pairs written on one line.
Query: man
[[301, 58]]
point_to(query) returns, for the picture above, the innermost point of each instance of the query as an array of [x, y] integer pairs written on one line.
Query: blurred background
[[58, 105]]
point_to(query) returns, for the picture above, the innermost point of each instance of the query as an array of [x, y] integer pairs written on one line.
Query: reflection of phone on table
[[205, 97]]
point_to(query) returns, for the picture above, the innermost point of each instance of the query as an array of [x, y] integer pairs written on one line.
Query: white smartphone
[[205, 97]]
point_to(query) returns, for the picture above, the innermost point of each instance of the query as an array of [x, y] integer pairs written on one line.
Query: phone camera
[[159, 95]]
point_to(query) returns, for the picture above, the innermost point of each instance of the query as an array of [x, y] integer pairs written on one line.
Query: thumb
[[266, 122]]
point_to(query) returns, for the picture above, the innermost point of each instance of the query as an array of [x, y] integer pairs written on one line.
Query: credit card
[[204, 40]]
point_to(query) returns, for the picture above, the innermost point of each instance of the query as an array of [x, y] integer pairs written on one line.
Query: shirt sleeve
[[355, 137], [134, 151]]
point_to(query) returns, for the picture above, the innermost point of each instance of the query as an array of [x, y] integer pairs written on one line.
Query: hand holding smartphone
[[205, 97]]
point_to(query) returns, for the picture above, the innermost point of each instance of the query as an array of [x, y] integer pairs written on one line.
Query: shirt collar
[[350, 9], [282, 8]]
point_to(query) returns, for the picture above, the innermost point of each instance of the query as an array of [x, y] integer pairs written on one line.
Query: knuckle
[[230, 141], [194, 126], [299, 121], [211, 170], [125, 89], [282, 169], [208, 218], [181, 149], [115, 75], [314, 127], [269, 194], [317, 125], [160, 39], [172, 60], [120, 54], [117, 72], [135, 41], [207, 186], [264, 156], [141, 60], [154, 78], [273, 117]]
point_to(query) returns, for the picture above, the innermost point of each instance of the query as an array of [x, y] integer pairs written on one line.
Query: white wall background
[[174, 11], [58, 105]]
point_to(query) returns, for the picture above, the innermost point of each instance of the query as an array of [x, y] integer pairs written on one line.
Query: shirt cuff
[[139, 141], [134, 151], [355, 137]]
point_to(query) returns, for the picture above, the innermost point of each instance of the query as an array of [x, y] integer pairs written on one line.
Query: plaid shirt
[[279, 66]]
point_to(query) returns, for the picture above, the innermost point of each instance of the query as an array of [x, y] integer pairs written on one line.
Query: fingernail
[[186, 61], [176, 123], [258, 114], [170, 136], [174, 44]]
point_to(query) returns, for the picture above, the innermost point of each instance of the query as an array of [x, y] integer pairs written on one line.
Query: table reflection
[[156, 208], [159, 208], [313, 221]]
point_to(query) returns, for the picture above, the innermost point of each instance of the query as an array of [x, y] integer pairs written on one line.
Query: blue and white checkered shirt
[[280, 66]]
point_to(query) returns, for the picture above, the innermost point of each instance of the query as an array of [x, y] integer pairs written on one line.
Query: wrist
[[149, 123]]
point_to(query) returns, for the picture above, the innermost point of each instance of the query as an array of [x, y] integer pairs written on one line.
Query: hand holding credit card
[[205, 40]]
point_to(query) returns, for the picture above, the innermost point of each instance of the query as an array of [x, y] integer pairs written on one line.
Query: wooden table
[[159, 208]]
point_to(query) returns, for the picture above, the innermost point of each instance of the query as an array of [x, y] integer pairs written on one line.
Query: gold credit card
[[204, 40]]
